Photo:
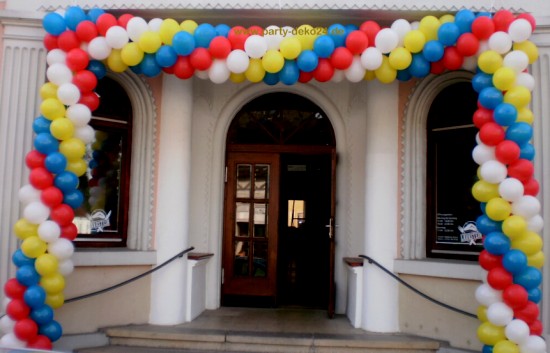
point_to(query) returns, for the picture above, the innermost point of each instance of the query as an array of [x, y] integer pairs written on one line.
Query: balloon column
[[83, 45]]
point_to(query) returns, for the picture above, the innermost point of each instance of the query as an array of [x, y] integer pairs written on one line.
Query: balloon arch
[[82, 45]]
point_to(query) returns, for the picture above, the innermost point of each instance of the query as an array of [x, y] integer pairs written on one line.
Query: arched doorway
[[278, 243]]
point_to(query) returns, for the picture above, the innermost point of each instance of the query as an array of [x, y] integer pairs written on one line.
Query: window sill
[[439, 268], [113, 257]]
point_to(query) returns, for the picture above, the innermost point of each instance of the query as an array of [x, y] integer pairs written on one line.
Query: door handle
[[330, 227]]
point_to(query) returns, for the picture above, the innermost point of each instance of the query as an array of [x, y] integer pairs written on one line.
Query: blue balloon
[[433, 50], [45, 143], [487, 349], [505, 114], [482, 80], [290, 73], [66, 181], [19, 259], [54, 23], [94, 14], [420, 67], [27, 275], [97, 68], [520, 132], [464, 19], [34, 296], [534, 295], [183, 43], [350, 28], [204, 33], [149, 66], [136, 69], [514, 261], [482, 207], [222, 30], [166, 56], [73, 16], [55, 162], [448, 33], [404, 75], [42, 315], [527, 151], [323, 46], [484, 14], [529, 278], [490, 97], [307, 61], [338, 34], [73, 198], [497, 243], [52, 330], [41, 124], [271, 78], [486, 225]]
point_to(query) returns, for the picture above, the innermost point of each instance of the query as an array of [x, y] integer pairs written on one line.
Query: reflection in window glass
[[243, 180], [260, 260], [296, 213], [242, 219], [260, 220], [261, 178], [240, 266]]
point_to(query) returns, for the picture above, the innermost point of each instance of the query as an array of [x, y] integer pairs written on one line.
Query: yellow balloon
[[72, 148], [168, 29], [490, 61], [429, 25], [400, 58], [482, 313], [78, 167], [518, 96], [528, 48], [24, 229], [131, 54], [446, 18], [498, 209], [484, 191], [149, 42], [490, 334], [514, 226], [54, 283], [385, 73], [189, 26], [48, 90], [115, 62], [33, 247], [306, 35], [62, 128], [55, 300], [525, 115], [52, 108], [536, 260], [255, 72], [237, 78], [505, 346], [530, 243], [414, 41], [370, 75], [290, 47], [46, 264], [504, 78], [273, 61]]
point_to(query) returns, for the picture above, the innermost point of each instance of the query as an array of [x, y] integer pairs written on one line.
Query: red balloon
[[14, 289], [531, 187], [467, 44], [26, 329], [507, 152], [35, 159], [483, 27], [499, 278], [488, 261], [17, 309], [502, 20], [40, 178], [324, 70], [530, 18], [370, 28], [237, 36], [536, 328], [85, 80], [68, 40], [491, 134], [51, 196], [341, 58], [124, 19], [256, 30], [89, 99], [482, 116], [515, 296], [437, 67], [104, 22], [357, 41], [452, 60], [168, 70], [305, 77], [62, 214], [220, 47], [50, 42], [200, 59], [69, 231], [86, 31], [529, 313], [522, 169], [77, 59], [40, 342], [183, 68]]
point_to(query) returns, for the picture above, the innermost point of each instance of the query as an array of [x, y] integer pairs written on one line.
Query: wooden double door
[[279, 239]]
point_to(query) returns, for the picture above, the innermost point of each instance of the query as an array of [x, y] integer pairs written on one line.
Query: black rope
[[425, 296]]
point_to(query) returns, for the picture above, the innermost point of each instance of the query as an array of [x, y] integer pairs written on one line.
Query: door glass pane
[[240, 267], [260, 220], [260, 260], [296, 213], [261, 181], [242, 218], [244, 171]]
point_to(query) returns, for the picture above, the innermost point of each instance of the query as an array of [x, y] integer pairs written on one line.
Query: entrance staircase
[[260, 330]]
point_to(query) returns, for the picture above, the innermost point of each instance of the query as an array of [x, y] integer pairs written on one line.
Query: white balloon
[[154, 24], [66, 267], [493, 171], [526, 80], [59, 74], [36, 212], [386, 40], [401, 27], [486, 295], [255, 46], [517, 331], [520, 30], [483, 153], [517, 60], [527, 206], [56, 56], [61, 248], [238, 61], [273, 37], [371, 58], [202, 74], [116, 37], [99, 49], [6, 324], [49, 231], [535, 223], [68, 94], [415, 25], [338, 75], [28, 194], [135, 27], [218, 71], [9, 340], [533, 344], [511, 189], [85, 133], [356, 72], [79, 114], [500, 314], [287, 31], [500, 42], [483, 47], [470, 63]]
